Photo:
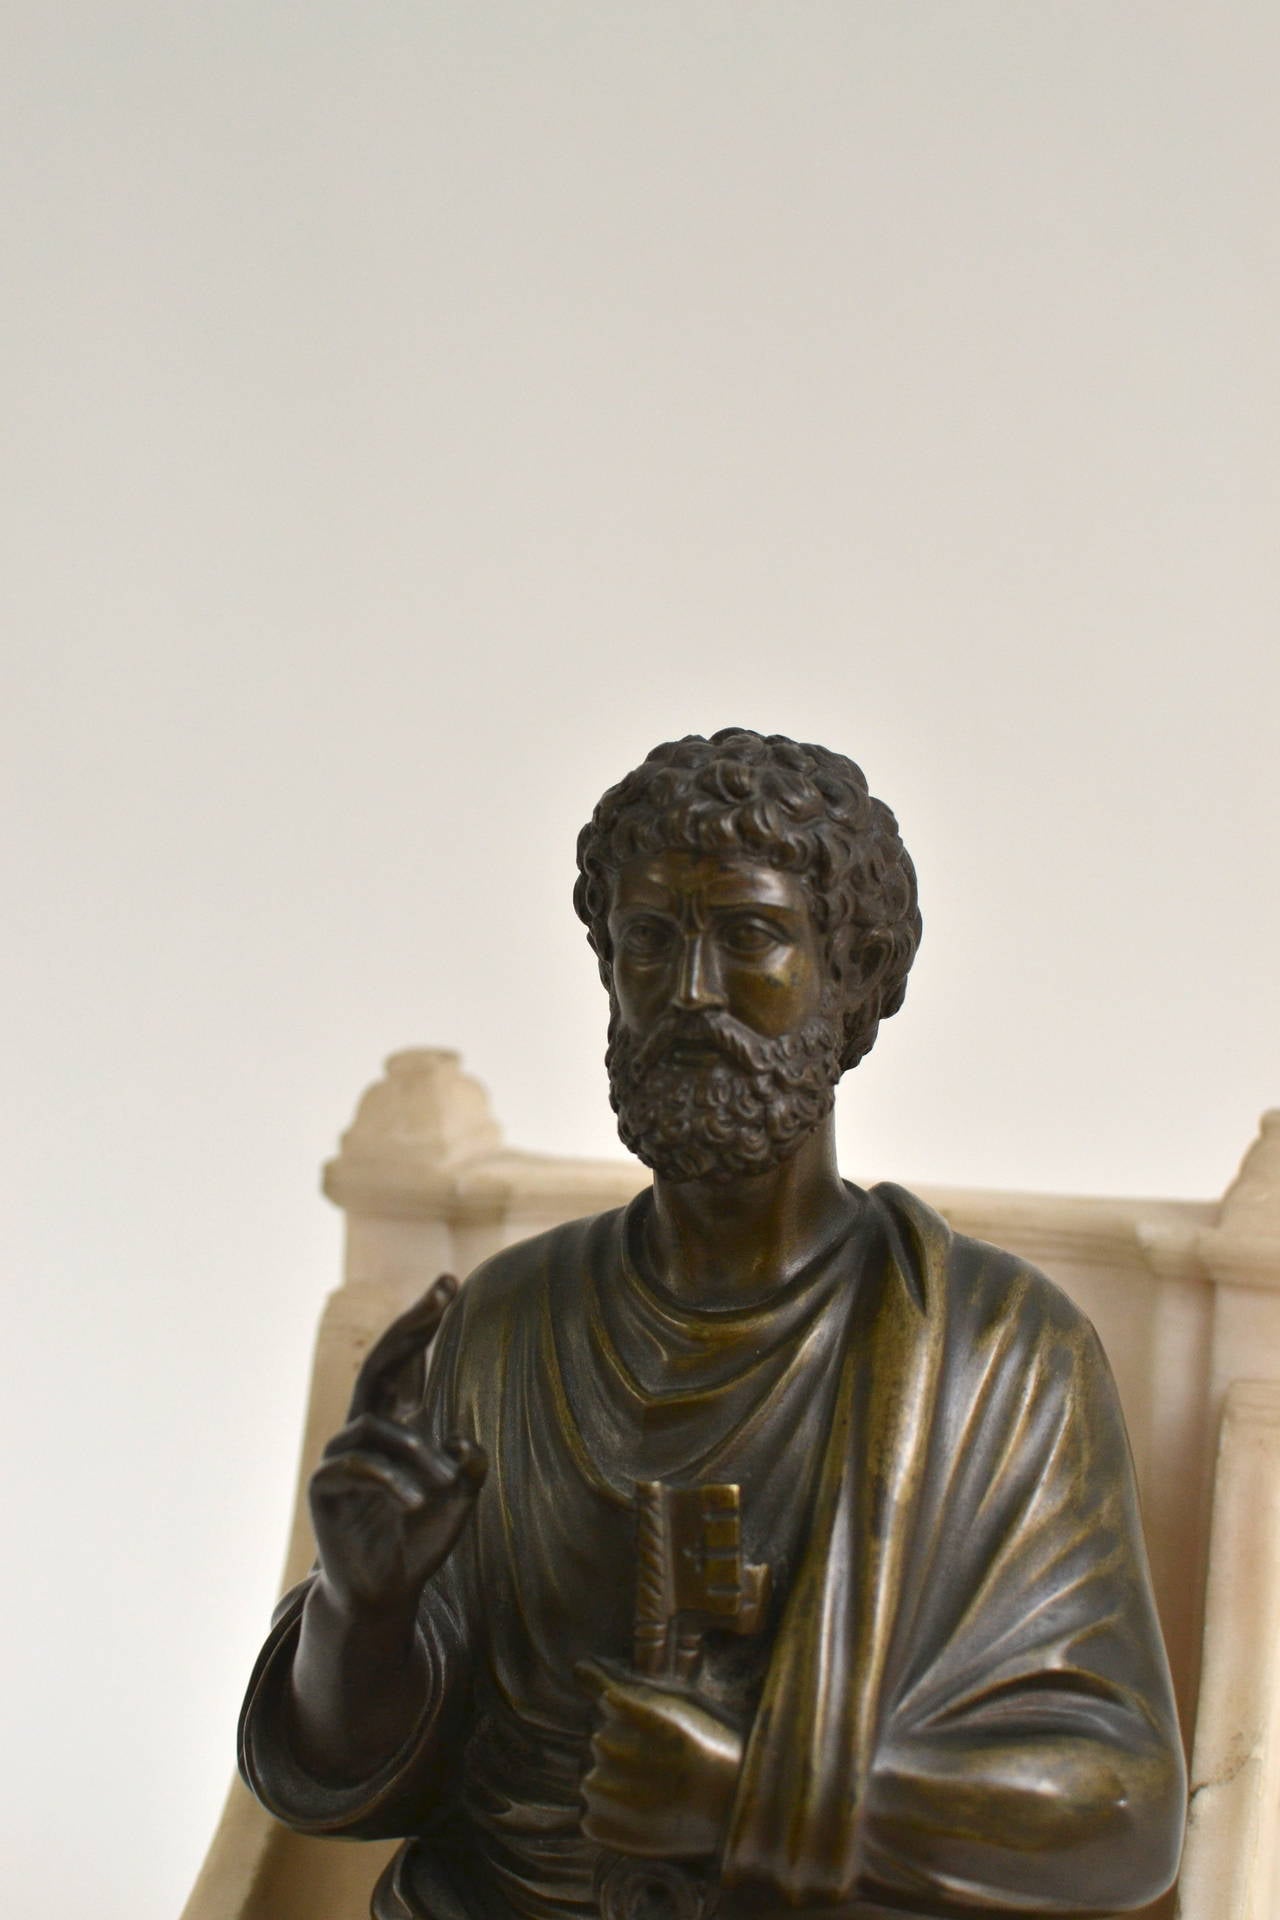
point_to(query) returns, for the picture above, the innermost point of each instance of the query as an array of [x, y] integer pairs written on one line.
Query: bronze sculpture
[[763, 1545]]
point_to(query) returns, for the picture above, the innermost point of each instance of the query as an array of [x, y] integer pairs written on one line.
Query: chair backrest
[[1185, 1296]]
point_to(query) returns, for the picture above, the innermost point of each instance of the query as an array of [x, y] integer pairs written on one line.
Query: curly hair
[[800, 808]]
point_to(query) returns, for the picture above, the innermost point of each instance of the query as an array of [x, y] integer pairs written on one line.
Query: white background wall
[[414, 412]]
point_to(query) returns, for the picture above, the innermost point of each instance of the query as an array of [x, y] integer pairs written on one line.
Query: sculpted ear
[[870, 961]]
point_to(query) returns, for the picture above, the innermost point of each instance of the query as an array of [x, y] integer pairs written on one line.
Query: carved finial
[[425, 1118], [1252, 1201], [1240, 1248]]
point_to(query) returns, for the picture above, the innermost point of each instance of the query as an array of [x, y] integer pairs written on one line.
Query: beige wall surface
[[413, 413]]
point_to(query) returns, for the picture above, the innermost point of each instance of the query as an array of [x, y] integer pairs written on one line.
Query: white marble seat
[[1186, 1297]]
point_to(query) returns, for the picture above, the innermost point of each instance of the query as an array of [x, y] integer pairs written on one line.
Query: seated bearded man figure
[[762, 1546]]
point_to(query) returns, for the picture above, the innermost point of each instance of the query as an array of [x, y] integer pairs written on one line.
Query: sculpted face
[[724, 1052]]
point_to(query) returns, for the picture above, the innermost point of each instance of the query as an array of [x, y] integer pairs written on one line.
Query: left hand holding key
[[664, 1769]]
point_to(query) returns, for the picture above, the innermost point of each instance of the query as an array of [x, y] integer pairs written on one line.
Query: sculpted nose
[[698, 983]]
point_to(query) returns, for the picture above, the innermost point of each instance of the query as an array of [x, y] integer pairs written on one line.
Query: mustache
[[712, 1029]]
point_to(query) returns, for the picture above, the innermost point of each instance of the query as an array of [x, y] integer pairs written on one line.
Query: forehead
[[671, 879]]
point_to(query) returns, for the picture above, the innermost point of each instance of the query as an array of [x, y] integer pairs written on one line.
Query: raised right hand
[[388, 1506]]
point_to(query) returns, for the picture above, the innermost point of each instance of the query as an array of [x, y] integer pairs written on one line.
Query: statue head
[[710, 1089]]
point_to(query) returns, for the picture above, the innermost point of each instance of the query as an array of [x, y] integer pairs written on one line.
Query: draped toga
[[959, 1702]]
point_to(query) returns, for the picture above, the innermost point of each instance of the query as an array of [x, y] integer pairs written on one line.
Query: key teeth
[[756, 1590]]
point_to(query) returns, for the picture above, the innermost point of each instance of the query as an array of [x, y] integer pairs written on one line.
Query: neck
[[729, 1243]]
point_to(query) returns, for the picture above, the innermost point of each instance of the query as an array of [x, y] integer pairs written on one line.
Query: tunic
[[959, 1702]]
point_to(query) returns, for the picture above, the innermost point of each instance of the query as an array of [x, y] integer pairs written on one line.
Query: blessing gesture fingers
[[387, 1504], [387, 1508]]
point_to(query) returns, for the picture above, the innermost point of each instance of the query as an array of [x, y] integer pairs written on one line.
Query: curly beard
[[743, 1113]]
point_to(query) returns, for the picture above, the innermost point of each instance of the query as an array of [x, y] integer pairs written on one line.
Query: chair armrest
[[1231, 1863]]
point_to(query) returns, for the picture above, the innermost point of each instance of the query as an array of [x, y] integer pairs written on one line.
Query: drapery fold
[[960, 1703], [970, 1651]]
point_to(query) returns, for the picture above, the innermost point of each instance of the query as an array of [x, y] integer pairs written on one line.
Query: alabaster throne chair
[[1186, 1297]]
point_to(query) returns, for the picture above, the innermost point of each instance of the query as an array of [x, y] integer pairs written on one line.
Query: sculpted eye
[[646, 939], [750, 936]]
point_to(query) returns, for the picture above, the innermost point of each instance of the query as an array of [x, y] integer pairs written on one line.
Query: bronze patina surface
[[763, 1547]]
